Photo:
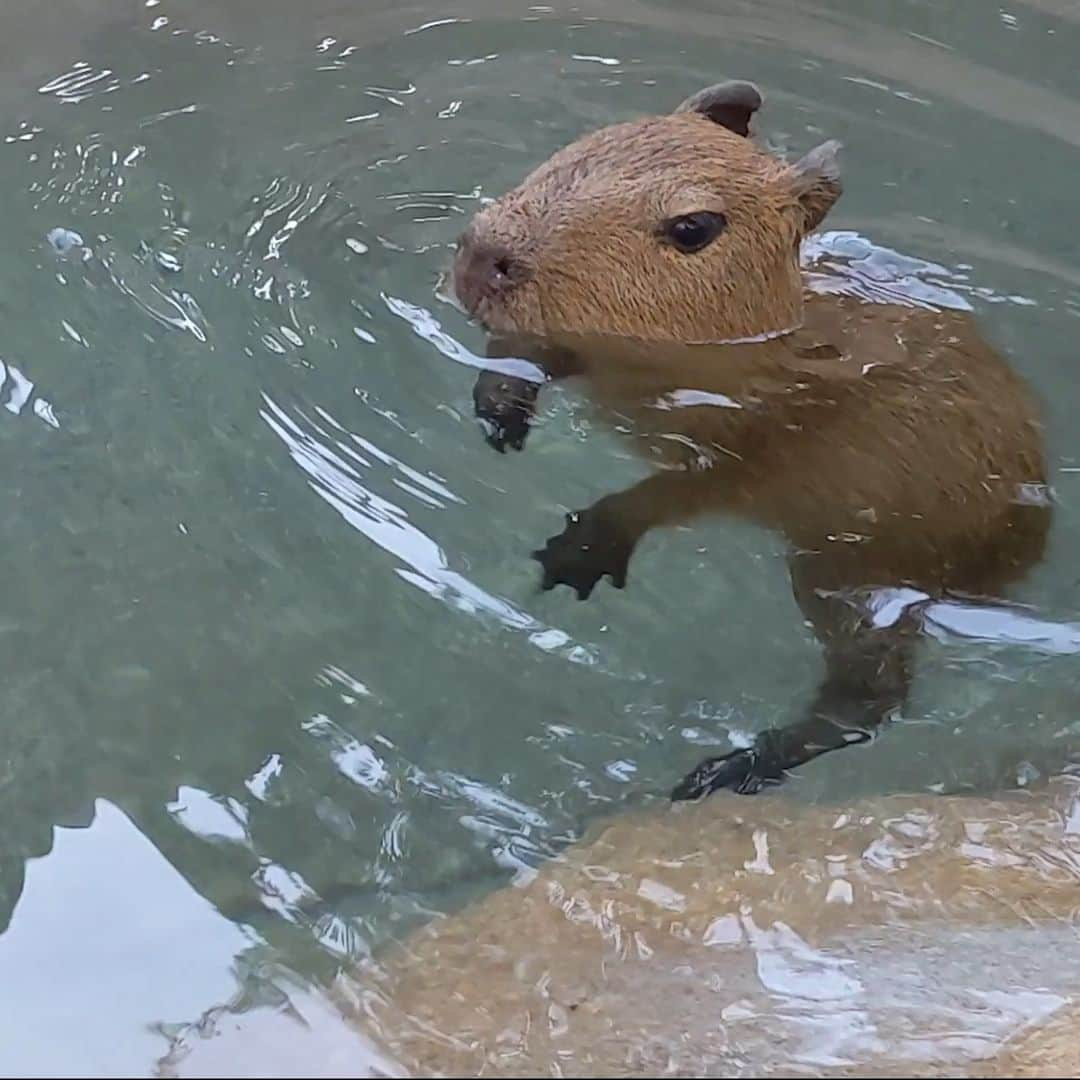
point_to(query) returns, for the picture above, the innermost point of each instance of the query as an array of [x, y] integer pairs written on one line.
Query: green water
[[269, 631]]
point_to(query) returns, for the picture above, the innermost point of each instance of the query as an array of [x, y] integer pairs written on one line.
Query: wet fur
[[890, 445]]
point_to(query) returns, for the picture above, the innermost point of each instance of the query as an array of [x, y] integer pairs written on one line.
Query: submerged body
[[890, 445], [922, 466]]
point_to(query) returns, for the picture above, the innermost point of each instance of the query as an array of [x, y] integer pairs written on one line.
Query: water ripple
[[335, 475]]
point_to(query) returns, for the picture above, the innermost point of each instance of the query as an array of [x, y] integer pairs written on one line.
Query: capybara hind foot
[[745, 772]]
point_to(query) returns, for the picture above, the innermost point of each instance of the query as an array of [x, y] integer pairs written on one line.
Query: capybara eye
[[692, 232]]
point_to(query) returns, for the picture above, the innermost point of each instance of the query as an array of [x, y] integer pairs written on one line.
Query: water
[[278, 682]]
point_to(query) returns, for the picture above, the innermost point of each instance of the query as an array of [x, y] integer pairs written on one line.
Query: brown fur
[[924, 469], [583, 226], [889, 444]]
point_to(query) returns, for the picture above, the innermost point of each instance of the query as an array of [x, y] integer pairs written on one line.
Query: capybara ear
[[816, 183], [729, 104]]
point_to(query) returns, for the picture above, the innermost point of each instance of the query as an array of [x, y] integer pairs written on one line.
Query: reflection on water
[[279, 682], [57, 953]]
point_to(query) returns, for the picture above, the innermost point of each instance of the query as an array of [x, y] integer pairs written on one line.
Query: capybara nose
[[483, 271]]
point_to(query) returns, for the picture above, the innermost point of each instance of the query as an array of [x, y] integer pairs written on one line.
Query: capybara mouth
[[472, 305], [475, 311], [487, 312]]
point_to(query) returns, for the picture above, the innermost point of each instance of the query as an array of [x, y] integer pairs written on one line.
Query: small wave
[[856, 266], [16, 392]]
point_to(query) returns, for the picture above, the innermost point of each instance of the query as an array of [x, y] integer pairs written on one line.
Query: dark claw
[[500, 435], [745, 772], [504, 406], [494, 436]]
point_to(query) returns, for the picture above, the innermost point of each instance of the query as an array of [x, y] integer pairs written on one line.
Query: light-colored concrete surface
[[751, 937]]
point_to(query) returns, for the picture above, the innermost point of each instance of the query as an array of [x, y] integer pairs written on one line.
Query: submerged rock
[[754, 937]]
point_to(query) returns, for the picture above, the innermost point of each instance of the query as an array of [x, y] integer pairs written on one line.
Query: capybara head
[[672, 227]]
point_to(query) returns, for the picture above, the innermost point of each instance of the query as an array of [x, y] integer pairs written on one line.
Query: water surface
[[278, 682]]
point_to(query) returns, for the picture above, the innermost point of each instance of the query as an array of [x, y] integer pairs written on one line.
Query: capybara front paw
[[583, 553]]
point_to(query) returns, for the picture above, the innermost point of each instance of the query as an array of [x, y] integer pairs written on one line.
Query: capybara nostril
[[482, 272]]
